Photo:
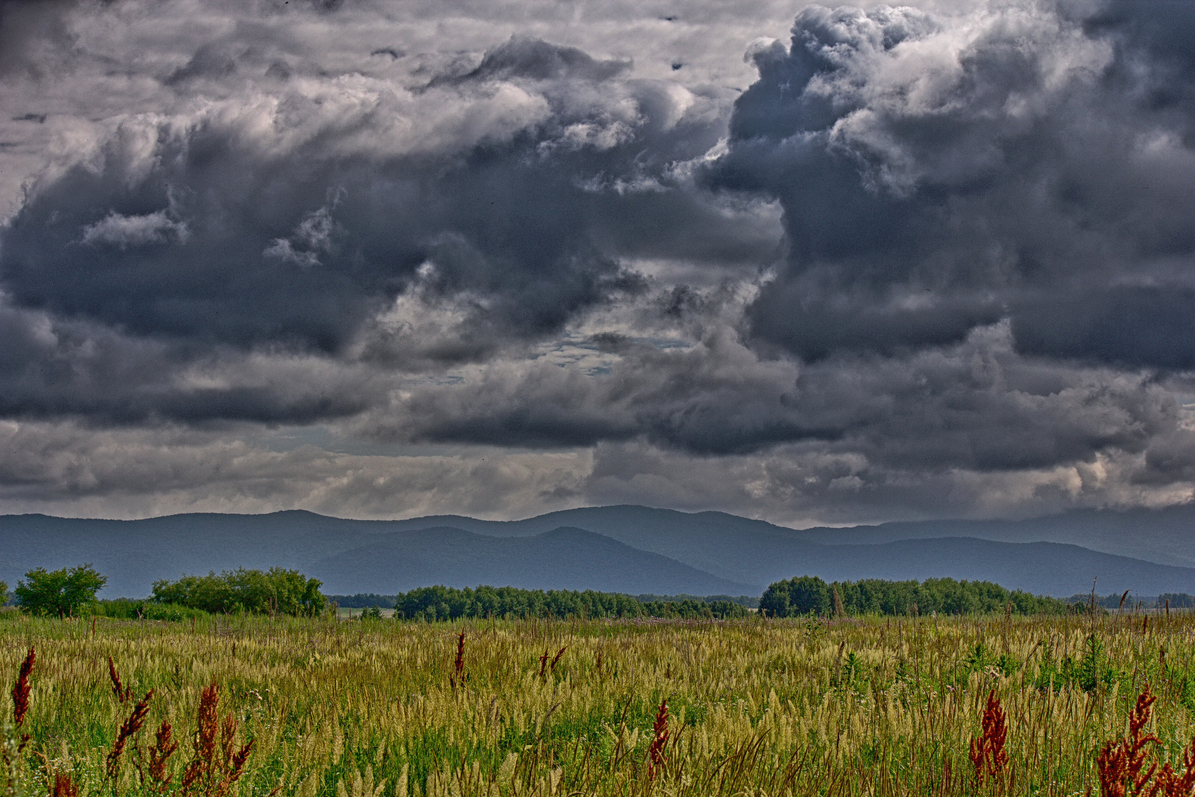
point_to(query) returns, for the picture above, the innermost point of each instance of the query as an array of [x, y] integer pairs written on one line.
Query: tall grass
[[772, 707]]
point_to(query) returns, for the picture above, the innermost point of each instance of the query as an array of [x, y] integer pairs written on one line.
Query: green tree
[[58, 592]]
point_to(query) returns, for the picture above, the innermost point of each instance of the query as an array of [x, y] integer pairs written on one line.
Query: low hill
[[622, 548], [564, 558]]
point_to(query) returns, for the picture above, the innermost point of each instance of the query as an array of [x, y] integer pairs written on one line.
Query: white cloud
[[124, 231]]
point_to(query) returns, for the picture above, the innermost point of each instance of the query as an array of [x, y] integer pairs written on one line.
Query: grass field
[[757, 707]]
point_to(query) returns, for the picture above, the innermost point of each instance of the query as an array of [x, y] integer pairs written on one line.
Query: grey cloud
[[52, 369], [1129, 326], [34, 38], [533, 59], [519, 217], [495, 263], [211, 61], [976, 406], [939, 173], [72, 470]]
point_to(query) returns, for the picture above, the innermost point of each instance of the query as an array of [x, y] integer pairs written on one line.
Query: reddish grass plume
[[123, 693], [655, 750], [987, 750], [127, 729]]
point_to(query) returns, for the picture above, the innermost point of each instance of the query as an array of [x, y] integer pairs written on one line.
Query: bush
[[118, 608], [172, 612]]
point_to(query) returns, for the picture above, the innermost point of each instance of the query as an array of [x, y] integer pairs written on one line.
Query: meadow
[[879, 706]]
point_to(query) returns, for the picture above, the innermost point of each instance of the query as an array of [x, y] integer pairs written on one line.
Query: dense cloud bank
[[380, 260]]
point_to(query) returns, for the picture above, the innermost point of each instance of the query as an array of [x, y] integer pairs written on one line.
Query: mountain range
[[629, 549]]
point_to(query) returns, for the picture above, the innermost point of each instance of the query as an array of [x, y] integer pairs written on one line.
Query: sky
[[381, 259]]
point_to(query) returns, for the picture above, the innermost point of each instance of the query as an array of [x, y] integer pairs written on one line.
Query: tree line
[[807, 595], [449, 603], [72, 591], [367, 600]]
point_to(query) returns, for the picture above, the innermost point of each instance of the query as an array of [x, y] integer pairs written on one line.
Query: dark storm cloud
[[194, 230], [926, 263], [52, 369], [538, 60], [938, 174], [977, 407]]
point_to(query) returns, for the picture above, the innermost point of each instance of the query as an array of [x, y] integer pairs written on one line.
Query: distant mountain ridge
[[617, 548]]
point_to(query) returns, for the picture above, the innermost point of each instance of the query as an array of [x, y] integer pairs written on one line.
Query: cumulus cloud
[[906, 262], [939, 173]]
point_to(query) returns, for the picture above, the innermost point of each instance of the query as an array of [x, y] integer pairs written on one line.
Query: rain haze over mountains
[[811, 265]]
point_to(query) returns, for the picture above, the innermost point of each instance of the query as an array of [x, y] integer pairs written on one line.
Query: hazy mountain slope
[[132, 554], [1165, 536], [725, 544], [1043, 568], [564, 558], [644, 547]]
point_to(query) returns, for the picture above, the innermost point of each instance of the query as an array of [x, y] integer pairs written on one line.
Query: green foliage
[[362, 600], [810, 595], [3, 593], [118, 608], [277, 591], [128, 609], [59, 593], [448, 603], [372, 613], [1089, 672], [796, 597], [1176, 600]]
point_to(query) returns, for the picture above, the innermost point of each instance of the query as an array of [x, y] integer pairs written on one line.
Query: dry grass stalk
[[987, 751], [556, 658], [130, 726], [1122, 764], [659, 730], [123, 694], [64, 786]]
